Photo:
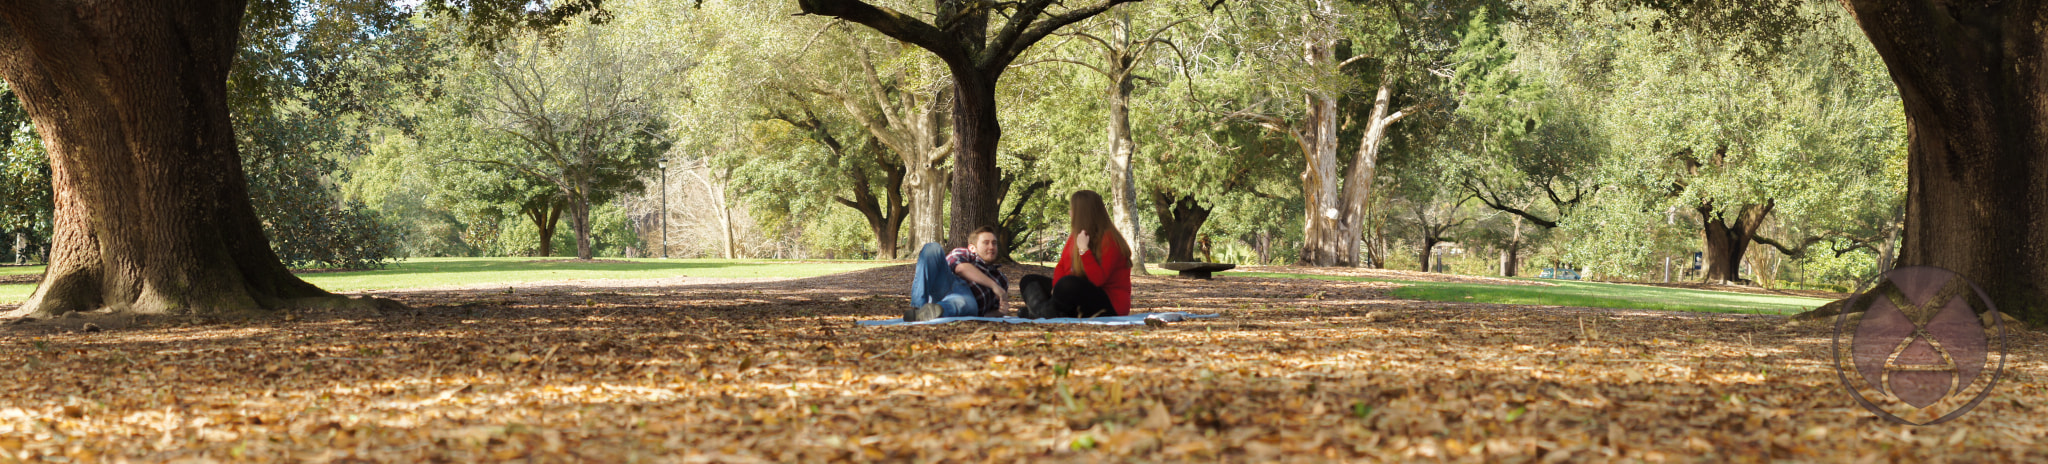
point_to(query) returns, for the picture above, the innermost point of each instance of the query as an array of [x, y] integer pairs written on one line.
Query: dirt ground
[[778, 371]]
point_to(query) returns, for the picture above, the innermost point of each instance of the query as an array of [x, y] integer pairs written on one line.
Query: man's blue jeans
[[936, 283]]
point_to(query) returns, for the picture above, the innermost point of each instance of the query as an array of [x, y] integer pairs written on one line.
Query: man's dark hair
[[985, 230]]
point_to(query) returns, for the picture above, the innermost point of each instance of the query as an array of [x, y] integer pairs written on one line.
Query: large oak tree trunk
[[960, 37], [884, 215], [1422, 255], [545, 216], [1180, 221], [1975, 91], [152, 206], [975, 174], [579, 219], [1726, 243]]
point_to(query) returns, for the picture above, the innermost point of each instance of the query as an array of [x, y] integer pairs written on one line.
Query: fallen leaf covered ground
[[1295, 370]]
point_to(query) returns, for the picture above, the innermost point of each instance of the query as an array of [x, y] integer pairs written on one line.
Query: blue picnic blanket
[[1134, 319]]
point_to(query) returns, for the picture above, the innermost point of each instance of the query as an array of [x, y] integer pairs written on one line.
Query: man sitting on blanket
[[959, 284]]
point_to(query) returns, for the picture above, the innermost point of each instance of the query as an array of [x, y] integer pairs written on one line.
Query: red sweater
[[1113, 275]]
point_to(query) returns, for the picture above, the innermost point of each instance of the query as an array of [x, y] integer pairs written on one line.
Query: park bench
[[1197, 270]]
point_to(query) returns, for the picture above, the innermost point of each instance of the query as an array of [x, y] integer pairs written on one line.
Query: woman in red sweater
[[1093, 277]]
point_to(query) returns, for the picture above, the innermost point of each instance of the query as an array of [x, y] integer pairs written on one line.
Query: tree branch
[[889, 22], [1016, 37], [1492, 200], [1105, 74], [1790, 252]]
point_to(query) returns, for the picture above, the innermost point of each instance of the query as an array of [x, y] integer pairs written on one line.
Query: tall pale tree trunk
[[1334, 218], [152, 207], [1123, 188], [1975, 90], [1318, 141], [1350, 221], [731, 248], [1886, 255], [1335, 221], [927, 189], [714, 183], [1511, 255]]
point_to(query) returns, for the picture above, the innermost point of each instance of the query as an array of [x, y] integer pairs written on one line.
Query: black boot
[[1037, 297]]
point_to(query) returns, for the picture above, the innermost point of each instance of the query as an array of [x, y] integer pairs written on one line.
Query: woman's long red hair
[[1086, 212]]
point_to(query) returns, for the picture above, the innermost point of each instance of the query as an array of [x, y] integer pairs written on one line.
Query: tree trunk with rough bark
[[725, 226], [1334, 220], [885, 220], [975, 133], [1180, 220], [545, 216], [1511, 255], [1358, 181], [1318, 141], [152, 206], [1423, 255], [1975, 90], [579, 219], [1011, 229], [1727, 242], [976, 60]]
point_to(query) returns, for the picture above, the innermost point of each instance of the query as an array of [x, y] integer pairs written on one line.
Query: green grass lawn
[[444, 272], [1587, 294], [16, 293], [18, 270]]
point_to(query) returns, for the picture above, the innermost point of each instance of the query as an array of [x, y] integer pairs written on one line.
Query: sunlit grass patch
[[1586, 294], [20, 270], [15, 293]]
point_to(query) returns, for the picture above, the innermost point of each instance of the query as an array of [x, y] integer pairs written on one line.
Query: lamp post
[[663, 163]]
